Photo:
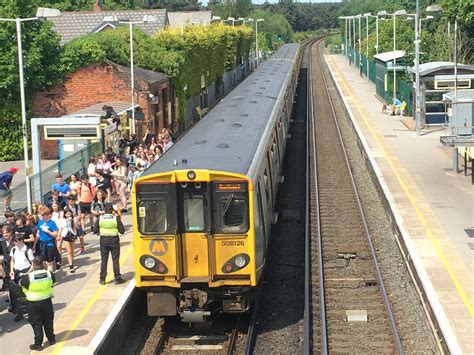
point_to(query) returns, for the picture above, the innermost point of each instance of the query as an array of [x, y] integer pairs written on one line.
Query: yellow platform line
[[89, 304], [420, 216]]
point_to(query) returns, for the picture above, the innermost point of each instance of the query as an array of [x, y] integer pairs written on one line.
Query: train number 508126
[[233, 243]]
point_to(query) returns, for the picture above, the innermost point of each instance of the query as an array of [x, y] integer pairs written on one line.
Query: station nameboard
[[72, 132]]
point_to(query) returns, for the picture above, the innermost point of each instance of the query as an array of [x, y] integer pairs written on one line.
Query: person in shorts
[[86, 195], [47, 233], [5, 191]]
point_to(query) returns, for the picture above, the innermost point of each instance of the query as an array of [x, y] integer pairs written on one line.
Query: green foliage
[[302, 36], [273, 26], [307, 16], [333, 40], [40, 52], [10, 132]]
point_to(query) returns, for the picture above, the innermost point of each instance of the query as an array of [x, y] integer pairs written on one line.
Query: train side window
[[152, 216], [193, 213], [266, 184], [260, 208]]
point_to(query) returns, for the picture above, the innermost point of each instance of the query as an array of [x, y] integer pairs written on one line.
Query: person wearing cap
[[38, 288], [6, 179], [108, 226]]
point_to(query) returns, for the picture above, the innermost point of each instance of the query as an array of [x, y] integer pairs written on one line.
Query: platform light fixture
[[41, 13], [256, 38]]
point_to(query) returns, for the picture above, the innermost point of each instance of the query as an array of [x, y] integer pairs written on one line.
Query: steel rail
[[364, 222], [307, 336], [322, 296]]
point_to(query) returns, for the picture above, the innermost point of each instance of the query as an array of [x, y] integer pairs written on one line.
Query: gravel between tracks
[[413, 327]]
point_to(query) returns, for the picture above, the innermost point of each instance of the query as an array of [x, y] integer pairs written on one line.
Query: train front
[[194, 243]]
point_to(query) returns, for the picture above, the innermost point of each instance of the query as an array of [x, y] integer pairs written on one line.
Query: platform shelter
[[436, 79]]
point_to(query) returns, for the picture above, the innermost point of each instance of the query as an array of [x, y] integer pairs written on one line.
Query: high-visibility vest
[[41, 285], [108, 226]]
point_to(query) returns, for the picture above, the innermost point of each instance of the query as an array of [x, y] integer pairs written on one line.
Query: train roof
[[226, 139]]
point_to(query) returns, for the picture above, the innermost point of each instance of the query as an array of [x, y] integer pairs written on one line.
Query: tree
[[275, 25], [40, 53]]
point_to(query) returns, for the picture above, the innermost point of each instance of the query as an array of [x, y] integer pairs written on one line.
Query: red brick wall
[[85, 87], [88, 86]]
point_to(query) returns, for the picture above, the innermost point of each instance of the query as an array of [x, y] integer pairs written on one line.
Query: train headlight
[[240, 262], [191, 175], [236, 263], [150, 263]]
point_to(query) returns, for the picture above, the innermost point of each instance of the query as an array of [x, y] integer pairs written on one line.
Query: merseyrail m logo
[[158, 247]]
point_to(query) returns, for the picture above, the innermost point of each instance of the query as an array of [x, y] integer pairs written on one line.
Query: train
[[202, 212]]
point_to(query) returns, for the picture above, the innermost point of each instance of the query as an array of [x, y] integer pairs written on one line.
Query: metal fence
[[404, 88], [41, 182]]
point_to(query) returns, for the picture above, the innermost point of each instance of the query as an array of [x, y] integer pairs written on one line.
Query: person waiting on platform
[[5, 191], [396, 105], [38, 288], [108, 226], [48, 232]]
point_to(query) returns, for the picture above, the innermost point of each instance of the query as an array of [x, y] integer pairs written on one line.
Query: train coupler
[[191, 306]]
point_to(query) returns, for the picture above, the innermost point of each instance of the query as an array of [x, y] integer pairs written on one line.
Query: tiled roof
[[75, 24], [178, 19], [146, 75]]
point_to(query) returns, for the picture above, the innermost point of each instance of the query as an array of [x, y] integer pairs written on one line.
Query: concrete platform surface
[[80, 303], [433, 205]]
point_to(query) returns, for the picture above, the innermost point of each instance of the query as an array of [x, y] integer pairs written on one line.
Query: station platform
[[432, 204], [80, 303]]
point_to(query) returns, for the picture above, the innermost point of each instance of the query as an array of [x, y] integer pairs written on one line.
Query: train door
[[194, 229]]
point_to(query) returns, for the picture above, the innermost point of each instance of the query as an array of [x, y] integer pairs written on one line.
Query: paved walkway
[[434, 205], [80, 303]]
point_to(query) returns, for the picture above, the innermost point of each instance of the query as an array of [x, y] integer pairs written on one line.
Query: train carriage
[[202, 212]]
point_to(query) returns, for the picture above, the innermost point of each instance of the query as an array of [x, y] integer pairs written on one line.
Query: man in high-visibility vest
[[108, 226], [38, 288]]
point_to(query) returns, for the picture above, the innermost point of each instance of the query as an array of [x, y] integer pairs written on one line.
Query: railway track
[[170, 336], [348, 310]]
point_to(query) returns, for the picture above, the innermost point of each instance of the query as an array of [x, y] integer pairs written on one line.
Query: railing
[[41, 182], [404, 89]]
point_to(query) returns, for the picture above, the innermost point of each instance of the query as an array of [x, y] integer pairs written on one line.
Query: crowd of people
[[92, 203]]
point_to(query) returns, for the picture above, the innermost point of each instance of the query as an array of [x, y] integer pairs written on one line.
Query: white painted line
[[448, 334], [111, 318]]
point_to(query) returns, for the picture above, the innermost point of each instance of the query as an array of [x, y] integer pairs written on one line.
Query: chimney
[[96, 6]]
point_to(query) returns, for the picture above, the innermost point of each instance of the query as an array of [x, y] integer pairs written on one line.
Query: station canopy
[[432, 67], [388, 56]]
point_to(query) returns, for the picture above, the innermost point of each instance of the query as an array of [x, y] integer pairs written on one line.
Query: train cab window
[[193, 213], [156, 208], [230, 208], [152, 216]]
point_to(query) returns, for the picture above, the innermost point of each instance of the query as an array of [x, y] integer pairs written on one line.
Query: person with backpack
[[21, 258], [6, 179]]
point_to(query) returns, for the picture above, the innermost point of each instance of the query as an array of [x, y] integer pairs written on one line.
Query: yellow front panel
[[195, 255], [164, 249], [225, 248]]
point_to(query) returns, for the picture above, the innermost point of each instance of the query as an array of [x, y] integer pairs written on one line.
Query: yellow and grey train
[[202, 212]]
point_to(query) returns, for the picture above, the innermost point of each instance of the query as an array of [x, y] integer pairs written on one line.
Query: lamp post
[[41, 13], [345, 32], [367, 15], [359, 16], [256, 37], [394, 15], [229, 19], [146, 19]]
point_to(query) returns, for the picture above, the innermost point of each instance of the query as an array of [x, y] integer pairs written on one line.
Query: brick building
[[105, 82]]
